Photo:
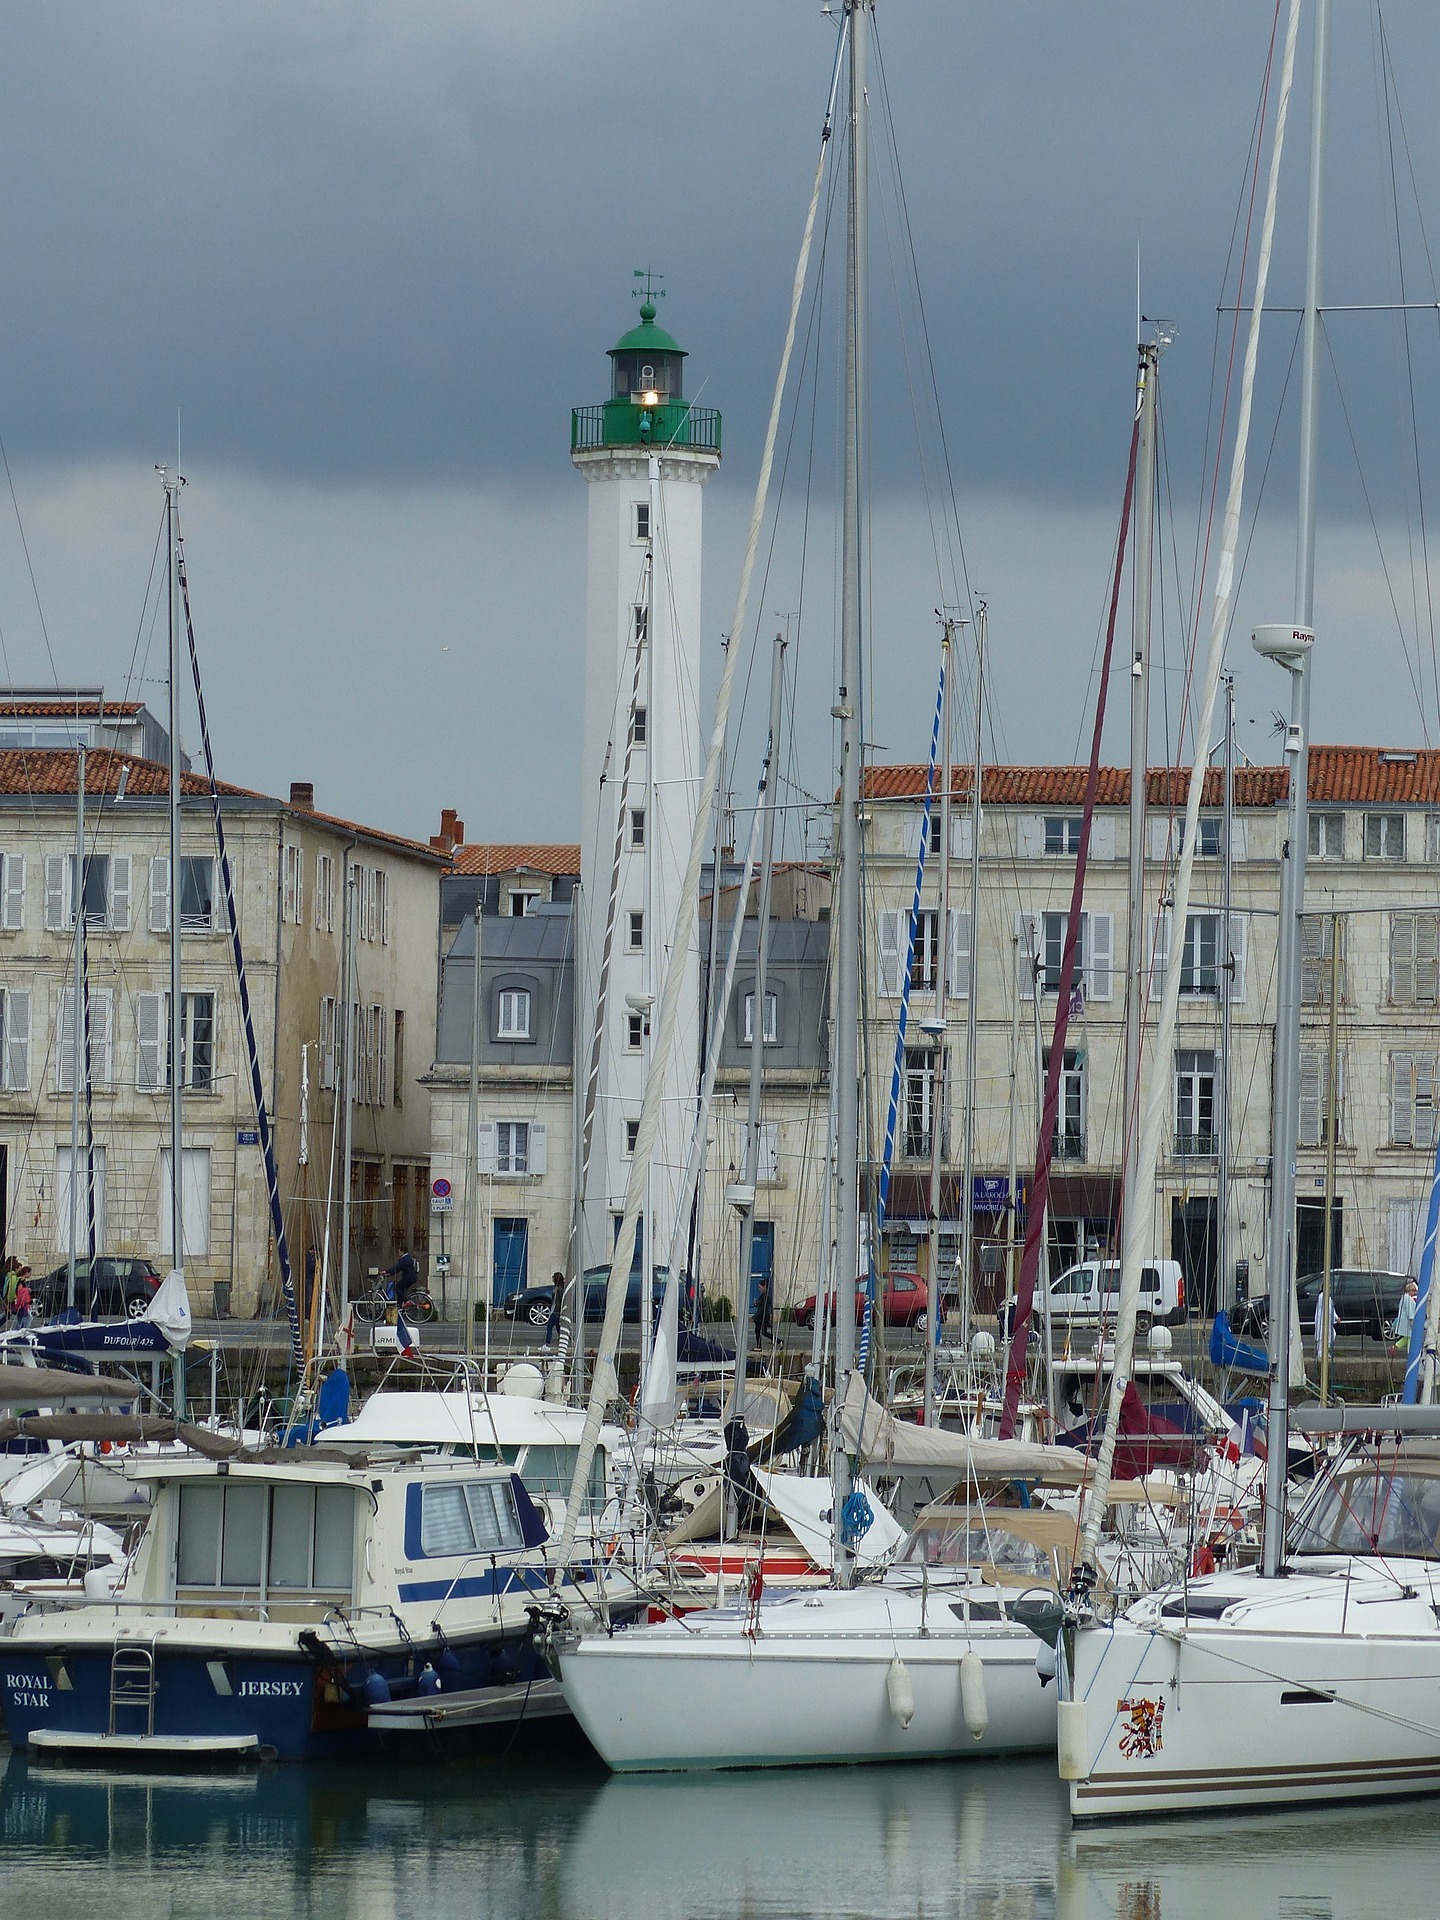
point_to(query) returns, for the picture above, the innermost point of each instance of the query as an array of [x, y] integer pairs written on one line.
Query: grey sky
[[375, 253]]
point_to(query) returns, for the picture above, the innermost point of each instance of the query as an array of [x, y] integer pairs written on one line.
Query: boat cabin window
[[948, 1545], [476, 1517], [551, 1469], [249, 1535], [1374, 1509]]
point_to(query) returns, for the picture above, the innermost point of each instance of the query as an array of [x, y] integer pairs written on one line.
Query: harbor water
[[522, 1841]]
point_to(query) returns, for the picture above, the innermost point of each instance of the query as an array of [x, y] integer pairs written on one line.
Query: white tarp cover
[[805, 1505], [170, 1310], [877, 1438]]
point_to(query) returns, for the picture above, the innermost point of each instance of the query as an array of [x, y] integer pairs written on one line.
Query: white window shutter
[[1027, 952], [385, 908], [1100, 957], [381, 1061], [1402, 1106], [892, 960], [1427, 958], [101, 1037], [1311, 1084], [1030, 835], [1424, 1084], [14, 892], [328, 1039], [1159, 953], [150, 1042], [120, 892], [1239, 929], [55, 891], [1102, 836], [960, 951], [15, 1064], [537, 1146], [160, 893], [485, 1137], [1238, 831], [961, 827], [65, 1040]]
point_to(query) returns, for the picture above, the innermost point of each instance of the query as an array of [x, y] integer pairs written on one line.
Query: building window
[[1327, 836], [634, 1032], [933, 841], [1062, 832], [632, 1135], [398, 1066], [1200, 960], [523, 900], [1412, 1100], [771, 1034], [637, 826], [642, 519], [922, 1065], [642, 622], [329, 1044], [767, 1152], [14, 1039], [512, 1146], [197, 892], [1414, 959], [1384, 836], [101, 1051], [1316, 954], [105, 889], [1432, 838], [635, 931], [194, 1202], [152, 1042], [514, 1014], [12, 892], [89, 1198], [325, 892], [1093, 965], [1315, 1096], [1194, 1103], [640, 727], [292, 888], [1069, 1141]]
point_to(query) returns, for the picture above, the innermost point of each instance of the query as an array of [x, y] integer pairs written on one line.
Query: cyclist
[[406, 1275]]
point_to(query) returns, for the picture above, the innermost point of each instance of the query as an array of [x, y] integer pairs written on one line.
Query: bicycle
[[373, 1307]]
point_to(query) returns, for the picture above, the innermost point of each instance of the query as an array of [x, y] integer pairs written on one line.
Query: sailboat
[[1316, 1676]]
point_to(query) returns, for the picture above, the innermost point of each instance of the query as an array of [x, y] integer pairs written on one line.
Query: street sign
[[247, 1136], [442, 1203], [440, 1189]]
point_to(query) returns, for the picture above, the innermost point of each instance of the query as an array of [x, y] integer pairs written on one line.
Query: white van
[[1076, 1299]]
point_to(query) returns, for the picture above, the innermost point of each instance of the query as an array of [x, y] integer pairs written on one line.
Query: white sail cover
[[876, 1437], [170, 1310], [805, 1503]]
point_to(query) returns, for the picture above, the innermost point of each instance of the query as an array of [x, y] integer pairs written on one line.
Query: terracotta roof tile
[[56, 708], [518, 857], [1378, 776], [1065, 786]]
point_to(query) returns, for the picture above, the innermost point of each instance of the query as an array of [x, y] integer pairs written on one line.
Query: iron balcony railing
[[1196, 1146], [620, 423]]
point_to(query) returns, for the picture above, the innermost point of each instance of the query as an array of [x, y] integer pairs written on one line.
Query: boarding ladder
[[132, 1687]]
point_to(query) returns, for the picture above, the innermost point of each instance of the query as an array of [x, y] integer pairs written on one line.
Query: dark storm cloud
[[369, 242]]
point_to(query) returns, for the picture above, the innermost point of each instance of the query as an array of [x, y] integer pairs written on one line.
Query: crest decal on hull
[[1141, 1733]]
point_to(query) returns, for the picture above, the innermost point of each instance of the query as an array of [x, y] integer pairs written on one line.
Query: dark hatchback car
[[105, 1288], [1366, 1302], [530, 1303]]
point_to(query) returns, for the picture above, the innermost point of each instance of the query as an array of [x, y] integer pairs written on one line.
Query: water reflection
[[989, 1841]]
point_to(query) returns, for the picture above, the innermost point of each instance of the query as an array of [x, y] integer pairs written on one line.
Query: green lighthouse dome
[[647, 405]]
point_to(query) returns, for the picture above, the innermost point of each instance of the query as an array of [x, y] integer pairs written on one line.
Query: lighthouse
[[645, 454]]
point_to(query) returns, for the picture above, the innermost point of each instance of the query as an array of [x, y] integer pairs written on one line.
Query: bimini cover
[[878, 1439], [170, 1310]]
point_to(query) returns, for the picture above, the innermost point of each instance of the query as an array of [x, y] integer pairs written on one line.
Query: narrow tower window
[[642, 519]]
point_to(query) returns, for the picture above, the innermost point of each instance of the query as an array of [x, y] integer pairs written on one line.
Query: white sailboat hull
[[813, 1687], [1327, 1689]]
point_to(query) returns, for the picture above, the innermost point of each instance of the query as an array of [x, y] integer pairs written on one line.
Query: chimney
[[451, 834], [302, 794]]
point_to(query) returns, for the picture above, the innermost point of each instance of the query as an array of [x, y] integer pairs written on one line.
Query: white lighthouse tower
[[645, 454]]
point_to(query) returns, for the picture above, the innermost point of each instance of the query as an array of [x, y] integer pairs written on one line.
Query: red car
[[901, 1296]]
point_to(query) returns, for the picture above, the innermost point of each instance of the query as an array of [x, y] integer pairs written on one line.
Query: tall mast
[[967, 1183], [750, 1173], [1136, 961], [347, 1089], [938, 1072], [173, 483], [77, 901], [1280, 1244], [845, 1064], [1224, 1274], [472, 1142]]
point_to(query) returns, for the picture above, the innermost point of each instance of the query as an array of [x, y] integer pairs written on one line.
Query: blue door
[[510, 1271], [762, 1259]]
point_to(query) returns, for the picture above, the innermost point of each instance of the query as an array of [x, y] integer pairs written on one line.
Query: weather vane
[[649, 291]]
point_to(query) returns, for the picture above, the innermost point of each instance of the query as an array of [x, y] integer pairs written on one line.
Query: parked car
[[1366, 1302], [596, 1279], [115, 1289], [1077, 1299], [530, 1303], [903, 1297]]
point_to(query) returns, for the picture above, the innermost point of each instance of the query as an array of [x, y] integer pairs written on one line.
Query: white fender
[[1047, 1662], [1073, 1740], [973, 1703], [900, 1693]]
